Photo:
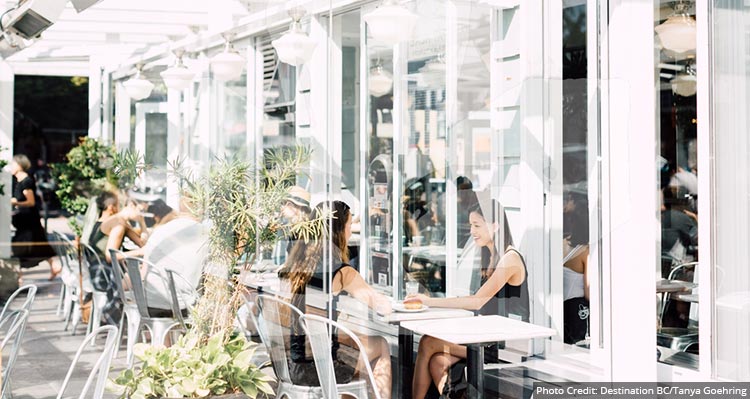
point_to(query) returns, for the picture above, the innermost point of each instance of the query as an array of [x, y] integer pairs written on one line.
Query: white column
[[122, 117], [95, 99], [106, 110], [174, 142], [7, 80], [631, 227]]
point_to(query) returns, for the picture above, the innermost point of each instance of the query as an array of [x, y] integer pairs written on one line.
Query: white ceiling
[[120, 29]]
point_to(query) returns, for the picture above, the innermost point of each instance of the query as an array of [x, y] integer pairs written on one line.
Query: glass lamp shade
[[227, 65], [138, 88], [677, 33], [177, 77], [294, 47], [391, 23], [380, 82], [684, 85]]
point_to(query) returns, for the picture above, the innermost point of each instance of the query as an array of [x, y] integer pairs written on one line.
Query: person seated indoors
[[575, 269], [307, 262], [179, 243], [503, 290]]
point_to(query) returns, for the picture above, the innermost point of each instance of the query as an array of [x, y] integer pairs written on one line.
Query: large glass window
[[677, 274], [730, 214]]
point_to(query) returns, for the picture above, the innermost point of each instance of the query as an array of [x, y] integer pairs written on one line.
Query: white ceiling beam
[[60, 68], [99, 27]]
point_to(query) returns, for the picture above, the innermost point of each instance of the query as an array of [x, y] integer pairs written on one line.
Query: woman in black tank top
[[306, 266], [504, 291]]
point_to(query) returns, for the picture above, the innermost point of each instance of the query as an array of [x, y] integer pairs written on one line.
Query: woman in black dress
[[30, 244]]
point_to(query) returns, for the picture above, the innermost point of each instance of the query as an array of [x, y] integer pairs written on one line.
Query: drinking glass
[[412, 288]]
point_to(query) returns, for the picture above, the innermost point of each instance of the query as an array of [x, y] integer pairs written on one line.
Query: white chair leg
[[134, 328], [76, 317], [96, 313], [61, 300]]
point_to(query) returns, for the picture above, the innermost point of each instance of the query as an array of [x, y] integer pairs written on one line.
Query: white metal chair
[[30, 295], [101, 366], [129, 307], [319, 330], [99, 297], [275, 321], [679, 338], [76, 281], [158, 326], [15, 320]]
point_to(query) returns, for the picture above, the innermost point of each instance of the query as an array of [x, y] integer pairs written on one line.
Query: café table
[[476, 332], [665, 286], [405, 369]]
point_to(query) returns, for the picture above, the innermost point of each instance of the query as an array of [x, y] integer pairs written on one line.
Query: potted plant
[[241, 204]]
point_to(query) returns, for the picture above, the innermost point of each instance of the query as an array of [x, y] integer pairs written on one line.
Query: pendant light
[[178, 77], [678, 32], [228, 64], [295, 47], [685, 84], [391, 23], [138, 87], [380, 82]]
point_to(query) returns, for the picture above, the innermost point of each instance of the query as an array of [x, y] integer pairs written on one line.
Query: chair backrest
[[15, 322], [119, 267], [275, 318], [172, 277], [319, 330], [100, 371], [684, 272], [139, 290], [30, 295], [65, 250]]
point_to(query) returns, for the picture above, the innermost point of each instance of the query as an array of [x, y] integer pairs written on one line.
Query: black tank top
[[511, 299]]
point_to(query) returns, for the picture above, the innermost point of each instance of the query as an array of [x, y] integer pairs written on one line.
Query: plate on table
[[399, 307]]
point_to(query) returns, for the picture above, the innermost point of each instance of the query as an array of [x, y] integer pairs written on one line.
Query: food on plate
[[413, 303]]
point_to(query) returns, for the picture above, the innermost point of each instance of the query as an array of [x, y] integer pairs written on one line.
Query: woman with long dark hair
[[305, 266], [503, 291]]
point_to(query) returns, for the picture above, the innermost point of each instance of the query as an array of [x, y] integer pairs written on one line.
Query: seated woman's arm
[[349, 280], [509, 270], [117, 232]]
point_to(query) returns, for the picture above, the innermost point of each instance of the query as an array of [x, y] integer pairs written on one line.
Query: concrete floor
[[47, 350]]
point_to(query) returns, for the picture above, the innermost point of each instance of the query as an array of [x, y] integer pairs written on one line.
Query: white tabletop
[[427, 314], [478, 329]]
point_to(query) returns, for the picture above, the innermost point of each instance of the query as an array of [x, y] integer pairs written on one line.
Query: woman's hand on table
[[418, 297], [383, 306]]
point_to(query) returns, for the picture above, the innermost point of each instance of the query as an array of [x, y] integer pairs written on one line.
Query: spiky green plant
[[242, 204]]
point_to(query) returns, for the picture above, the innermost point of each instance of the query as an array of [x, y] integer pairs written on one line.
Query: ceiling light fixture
[[390, 22], [295, 47], [228, 64], [678, 32], [178, 77], [685, 84], [138, 87], [380, 82]]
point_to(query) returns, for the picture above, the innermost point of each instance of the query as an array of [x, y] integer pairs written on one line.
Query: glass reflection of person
[[306, 263], [503, 291], [575, 269]]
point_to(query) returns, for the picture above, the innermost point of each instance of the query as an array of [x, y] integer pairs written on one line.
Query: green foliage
[[190, 369], [93, 167], [243, 204], [3, 163]]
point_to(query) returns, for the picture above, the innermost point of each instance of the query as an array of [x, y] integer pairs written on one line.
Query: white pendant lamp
[[380, 82], [138, 87], [228, 64], [295, 47], [391, 23], [178, 77], [685, 84], [678, 32]]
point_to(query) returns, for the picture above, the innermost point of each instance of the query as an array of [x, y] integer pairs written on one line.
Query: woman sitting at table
[[109, 232], [503, 291], [306, 265]]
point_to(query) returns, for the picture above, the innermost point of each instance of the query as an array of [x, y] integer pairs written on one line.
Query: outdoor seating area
[[389, 199]]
